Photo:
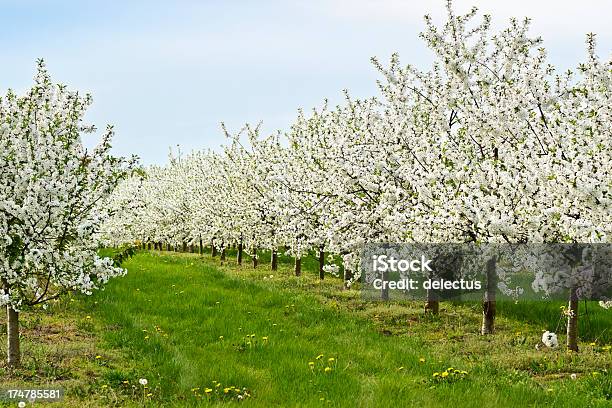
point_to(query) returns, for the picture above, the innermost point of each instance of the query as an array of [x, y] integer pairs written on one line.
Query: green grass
[[182, 322]]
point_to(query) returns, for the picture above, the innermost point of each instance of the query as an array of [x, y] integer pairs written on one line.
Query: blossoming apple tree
[[53, 193]]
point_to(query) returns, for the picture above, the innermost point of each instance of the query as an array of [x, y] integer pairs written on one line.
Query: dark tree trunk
[[321, 263], [274, 260], [432, 305], [12, 329], [184, 247], [201, 246], [347, 277], [222, 257], [254, 257], [298, 266], [384, 292], [572, 321], [488, 305], [240, 249], [214, 250]]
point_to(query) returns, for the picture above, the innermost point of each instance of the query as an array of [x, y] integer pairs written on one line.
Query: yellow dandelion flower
[[208, 390], [444, 374], [98, 357], [328, 369], [331, 359], [320, 356], [421, 360]]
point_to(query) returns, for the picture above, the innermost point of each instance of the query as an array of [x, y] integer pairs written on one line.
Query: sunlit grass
[[194, 329]]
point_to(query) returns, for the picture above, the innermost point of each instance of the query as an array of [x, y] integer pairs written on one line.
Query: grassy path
[[187, 325]]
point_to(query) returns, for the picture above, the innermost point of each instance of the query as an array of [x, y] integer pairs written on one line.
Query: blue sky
[[168, 72]]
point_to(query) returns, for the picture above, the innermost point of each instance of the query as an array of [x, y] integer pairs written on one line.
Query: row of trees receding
[[490, 144]]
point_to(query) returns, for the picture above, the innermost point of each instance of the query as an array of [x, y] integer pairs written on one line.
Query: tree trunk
[[184, 246], [12, 329], [321, 263], [298, 266], [240, 249], [488, 304], [572, 321], [274, 260], [254, 257], [201, 246], [222, 258], [432, 302], [432, 305], [214, 250], [384, 292], [347, 277]]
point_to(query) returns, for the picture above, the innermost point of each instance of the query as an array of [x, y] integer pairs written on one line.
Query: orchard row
[[491, 144]]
